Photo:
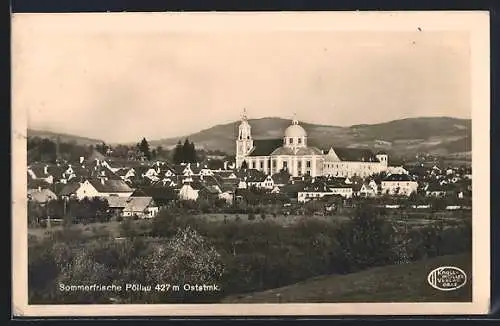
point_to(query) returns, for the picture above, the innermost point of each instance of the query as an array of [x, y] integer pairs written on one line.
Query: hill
[[437, 135], [397, 283], [65, 138]]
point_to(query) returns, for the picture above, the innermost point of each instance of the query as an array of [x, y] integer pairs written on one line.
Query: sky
[[120, 85]]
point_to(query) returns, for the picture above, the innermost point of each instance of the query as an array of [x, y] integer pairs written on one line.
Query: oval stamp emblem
[[447, 278]]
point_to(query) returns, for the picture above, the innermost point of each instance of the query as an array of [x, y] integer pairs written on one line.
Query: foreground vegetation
[[395, 283], [238, 256]]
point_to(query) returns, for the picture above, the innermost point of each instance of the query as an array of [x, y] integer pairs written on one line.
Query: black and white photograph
[[223, 161]]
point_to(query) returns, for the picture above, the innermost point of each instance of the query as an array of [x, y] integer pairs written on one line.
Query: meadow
[[242, 253]]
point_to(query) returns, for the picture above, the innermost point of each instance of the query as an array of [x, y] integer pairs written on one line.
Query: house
[[367, 190], [69, 190], [40, 171], [262, 182], [396, 170], [187, 192], [102, 187], [41, 196], [321, 189], [438, 190], [162, 196], [142, 207], [116, 205], [399, 184]]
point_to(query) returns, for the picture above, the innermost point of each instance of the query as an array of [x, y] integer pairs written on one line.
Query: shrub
[[251, 216], [367, 240], [263, 216]]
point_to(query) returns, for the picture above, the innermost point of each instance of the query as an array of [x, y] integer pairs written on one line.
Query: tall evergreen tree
[[143, 147], [178, 156], [186, 151]]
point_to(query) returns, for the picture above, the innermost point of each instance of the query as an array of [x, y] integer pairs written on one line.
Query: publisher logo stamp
[[447, 278]]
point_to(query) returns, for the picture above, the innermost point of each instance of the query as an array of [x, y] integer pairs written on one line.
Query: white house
[[103, 188], [143, 207], [367, 190], [399, 184], [266, 182], [206, 172], [188, 193]]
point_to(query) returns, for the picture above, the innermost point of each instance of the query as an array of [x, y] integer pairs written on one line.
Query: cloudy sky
[[120, 85]]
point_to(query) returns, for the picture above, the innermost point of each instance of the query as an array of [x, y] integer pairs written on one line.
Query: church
[[292, 153]]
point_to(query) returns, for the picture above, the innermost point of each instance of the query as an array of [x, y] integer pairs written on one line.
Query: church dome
[[295, 130]]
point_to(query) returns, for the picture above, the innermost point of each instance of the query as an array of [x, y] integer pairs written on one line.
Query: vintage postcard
[[208, 164]]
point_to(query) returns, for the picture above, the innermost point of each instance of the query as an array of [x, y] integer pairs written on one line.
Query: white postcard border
[[476, 23]]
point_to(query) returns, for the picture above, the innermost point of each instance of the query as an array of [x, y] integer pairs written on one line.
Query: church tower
[[244, 142]]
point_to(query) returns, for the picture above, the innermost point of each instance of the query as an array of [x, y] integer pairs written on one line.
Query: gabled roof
[[255, 175], [398, 177], [117, 202], [37, 183], [41, 196], [110, 185], [39, 169], [159, 194], [138, 204], [293, 189], [69, 189], [56, 171], [355, 154], [264, 147]]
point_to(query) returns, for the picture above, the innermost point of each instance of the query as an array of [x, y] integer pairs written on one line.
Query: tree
[[186, 148], [178, 153], [143, 147], [367, 240]]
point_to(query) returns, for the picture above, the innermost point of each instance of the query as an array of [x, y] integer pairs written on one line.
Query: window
[[290, 140], [261, 165], [308, 164], [274, 164], [299, 140], [253, 165], [299, 165]]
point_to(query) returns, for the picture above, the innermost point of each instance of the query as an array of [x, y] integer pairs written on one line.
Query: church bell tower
[[244, 142]]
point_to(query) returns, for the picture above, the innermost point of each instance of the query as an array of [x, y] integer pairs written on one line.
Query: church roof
[[264, 147], [300, 151], [355, 155]]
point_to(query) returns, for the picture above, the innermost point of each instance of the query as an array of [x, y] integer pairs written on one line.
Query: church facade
[[292, 153]]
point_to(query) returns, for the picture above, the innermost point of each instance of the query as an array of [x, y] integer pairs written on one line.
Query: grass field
[[113, 227], [397, 283]]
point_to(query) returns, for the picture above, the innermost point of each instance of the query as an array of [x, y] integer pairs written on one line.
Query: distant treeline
[[49, 150]]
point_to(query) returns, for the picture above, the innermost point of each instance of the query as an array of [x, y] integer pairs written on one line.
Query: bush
[[367, 240], [263, 216], [251, 216]]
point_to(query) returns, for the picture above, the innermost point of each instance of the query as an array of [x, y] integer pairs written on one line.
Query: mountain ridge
[[408, 136]]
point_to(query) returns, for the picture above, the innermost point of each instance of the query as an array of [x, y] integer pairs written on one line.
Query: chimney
[[46, 169], [197, 164], [39, 188], [225, 165], [102, 181]]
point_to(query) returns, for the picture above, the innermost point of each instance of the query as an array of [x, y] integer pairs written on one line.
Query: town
[[140, 187]]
